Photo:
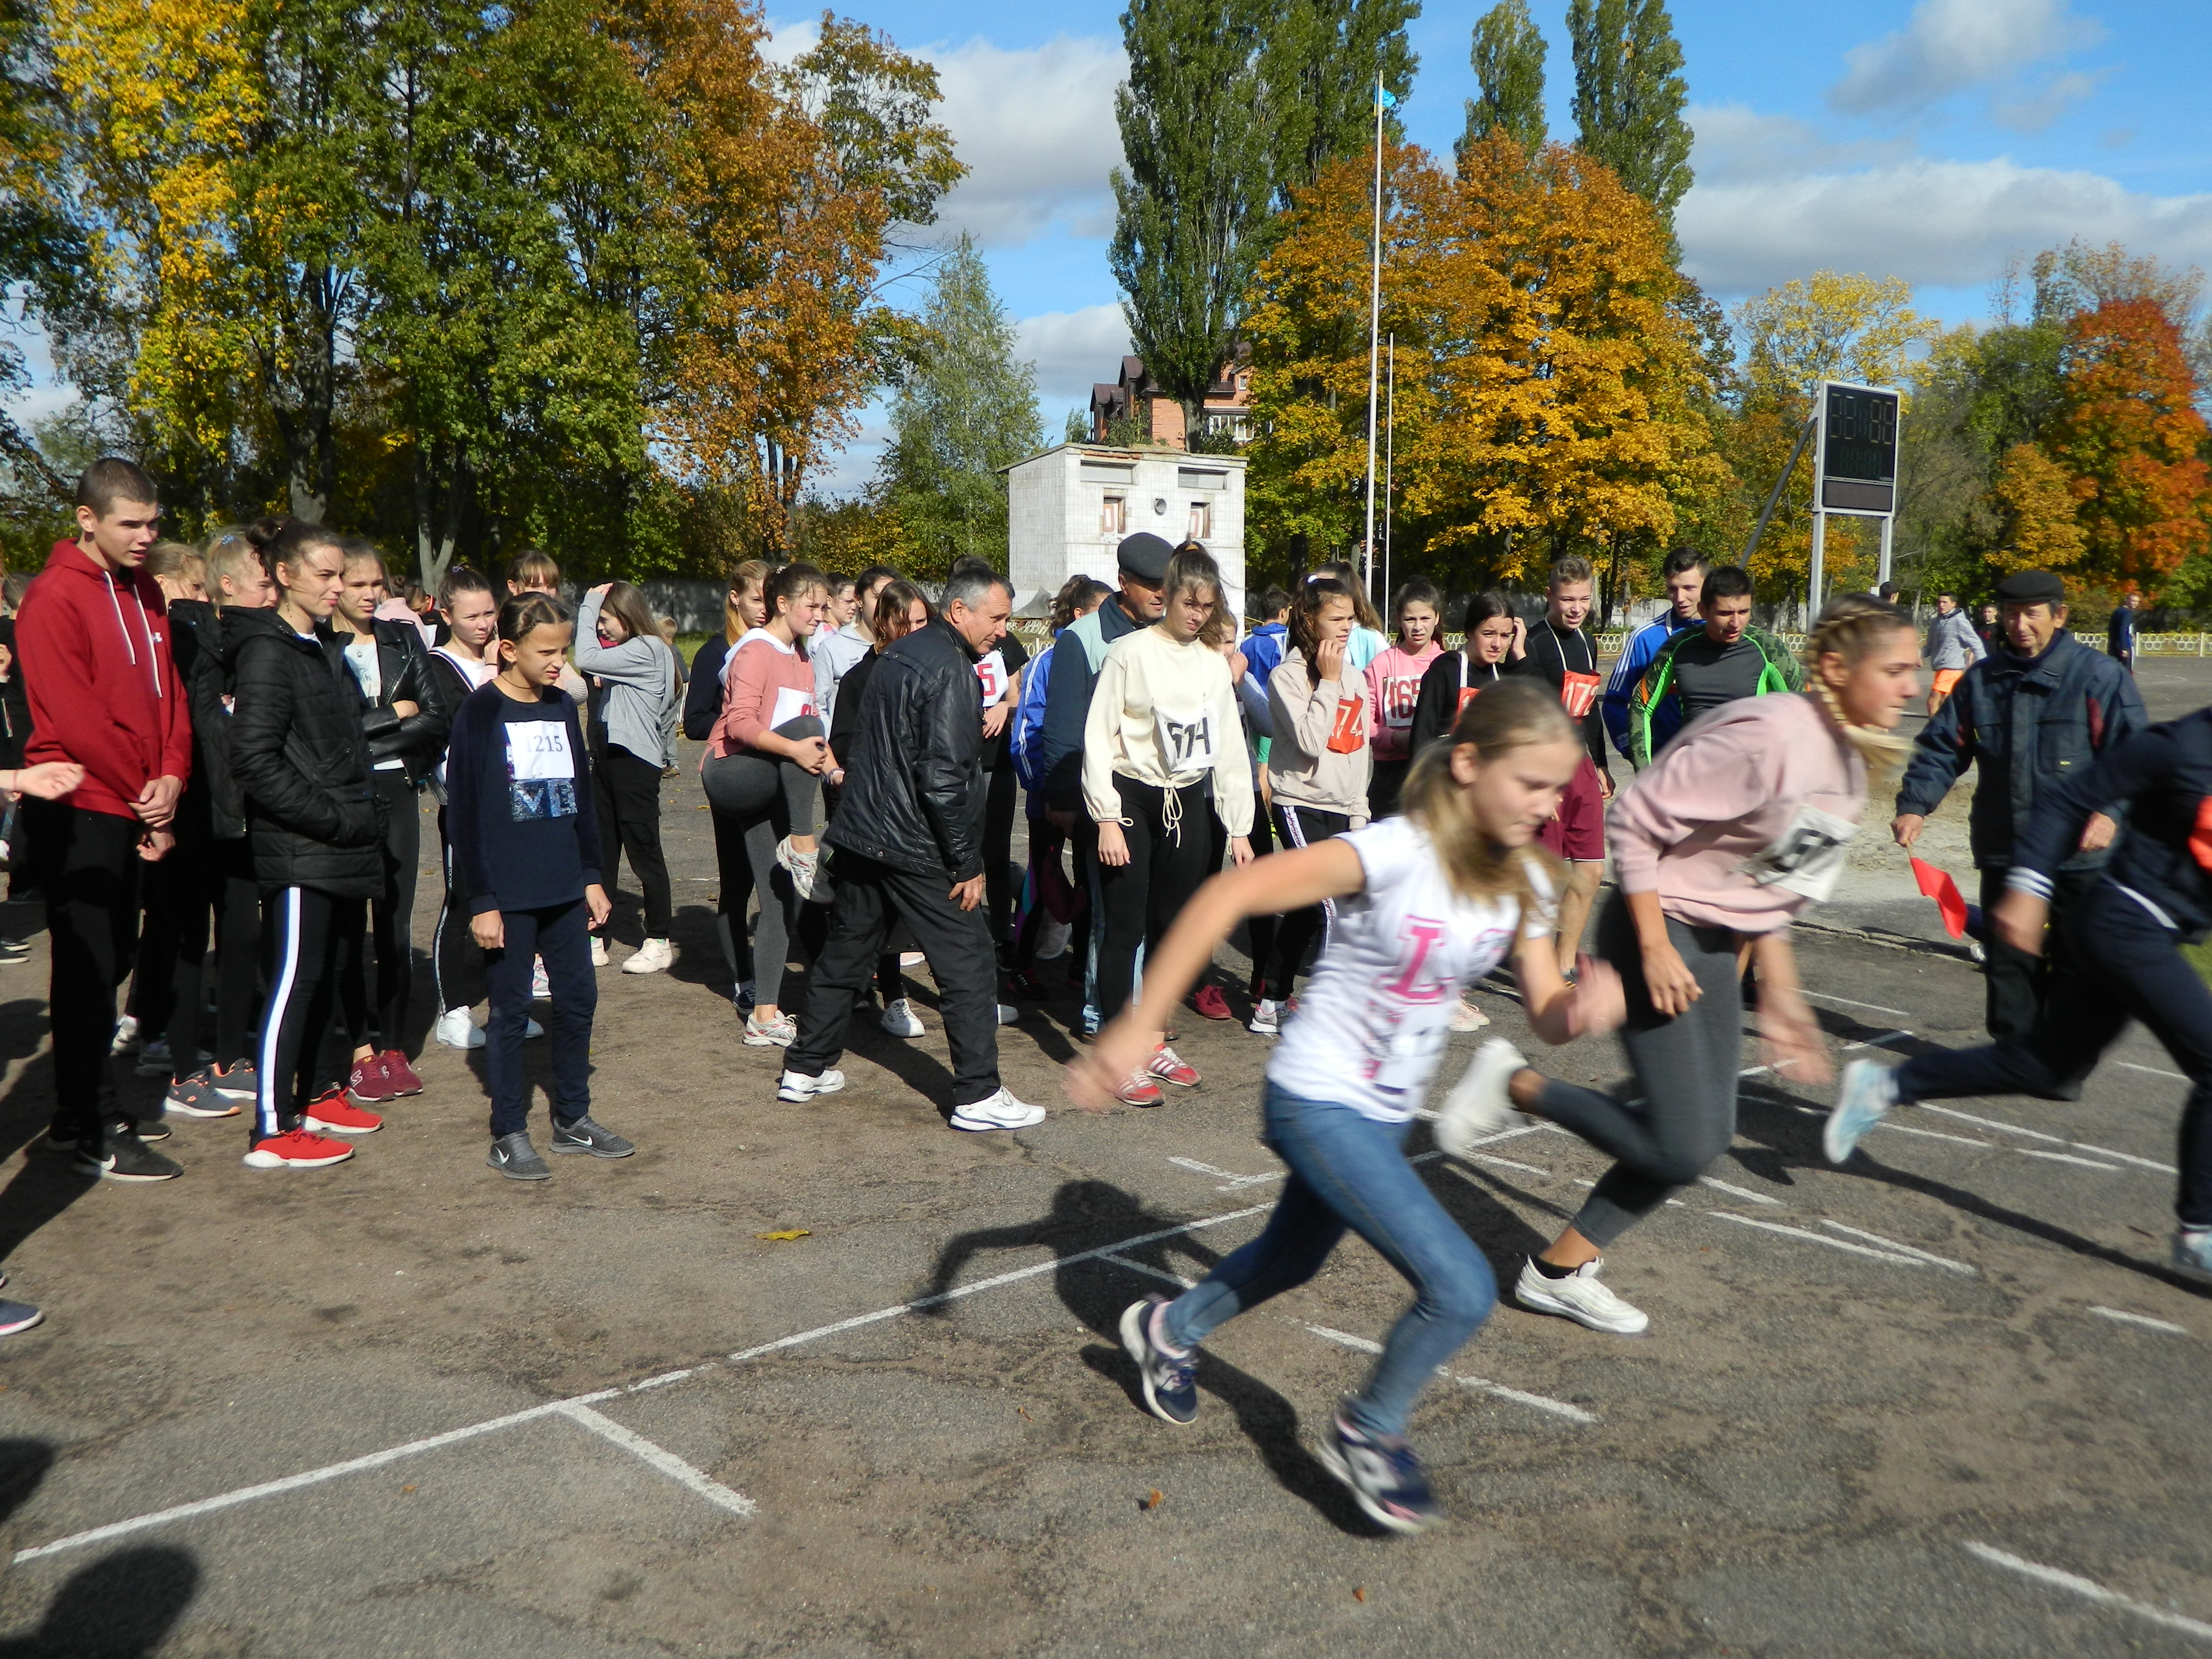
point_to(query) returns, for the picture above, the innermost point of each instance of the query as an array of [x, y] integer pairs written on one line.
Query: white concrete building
[[1069, 508]]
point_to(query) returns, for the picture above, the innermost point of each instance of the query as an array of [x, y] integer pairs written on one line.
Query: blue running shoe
[[1171, 1380], [2193, 1252], [1869, 1090], [1383, 1476]]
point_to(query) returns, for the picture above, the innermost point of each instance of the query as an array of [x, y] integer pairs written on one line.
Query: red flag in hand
[[1938, 885]]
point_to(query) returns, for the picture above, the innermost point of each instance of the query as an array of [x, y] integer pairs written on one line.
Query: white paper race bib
[[537, 751], [1186, 746], [1807, 857], [991, 669], [1400, 692], [790, 703]]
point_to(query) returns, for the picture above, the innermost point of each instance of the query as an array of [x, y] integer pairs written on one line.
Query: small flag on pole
[[1384, 97], [1938, 885]]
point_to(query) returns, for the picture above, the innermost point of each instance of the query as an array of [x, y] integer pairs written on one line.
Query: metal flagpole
[[1382, 101], [1389, 458]]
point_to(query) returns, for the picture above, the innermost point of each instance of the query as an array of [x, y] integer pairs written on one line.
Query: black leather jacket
[[297, 751], [914, 783], [405, 672]]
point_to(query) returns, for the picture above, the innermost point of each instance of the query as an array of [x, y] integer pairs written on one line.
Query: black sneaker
[[13, 951], [151, 1128], [1169, 1379], [581, 1135], [513, 1156], [1384, 1477], [120, 1154]]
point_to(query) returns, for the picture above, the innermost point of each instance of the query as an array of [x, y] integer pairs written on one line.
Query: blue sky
[[1929, 140]]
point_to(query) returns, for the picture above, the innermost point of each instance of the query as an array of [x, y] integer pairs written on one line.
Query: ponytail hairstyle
[[786, 585], [181, 562], [524, 611], [748, 578], [1483, 607], [1419, 591], [1077, 593], [894, 607], [1190, 567], [627, 606], [461, 579], [1515, 714], [286, 541], [1848, 626], [1363, 609], [1305, 618]]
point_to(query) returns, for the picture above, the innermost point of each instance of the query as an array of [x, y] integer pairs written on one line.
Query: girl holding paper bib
[[1741, 822], [1163, 721]]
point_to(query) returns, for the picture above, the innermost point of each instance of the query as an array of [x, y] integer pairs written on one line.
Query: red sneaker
[[332, 1114], [1139, 1091], [1210, 1002], [399, 1074], [1171, 1068], [368, 1082], [296, 1149]]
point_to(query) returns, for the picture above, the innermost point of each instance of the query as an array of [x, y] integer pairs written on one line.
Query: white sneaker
[[998, 1111], [456, 1030], [541, 988], [1267, 1017], [797, 1088], [1008, 1014], [126, 1035], [530, 1028], [1478, 1107], [1052, 939], [778, 1033], [598, 951], [800, 865], [651, 956], [900, 1018], [1468, 1017], [912, 959], [1582, 1297]]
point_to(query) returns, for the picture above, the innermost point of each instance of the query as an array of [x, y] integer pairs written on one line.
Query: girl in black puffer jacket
[[316, 827]]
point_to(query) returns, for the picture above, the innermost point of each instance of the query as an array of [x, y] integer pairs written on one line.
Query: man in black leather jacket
[[908, 840]]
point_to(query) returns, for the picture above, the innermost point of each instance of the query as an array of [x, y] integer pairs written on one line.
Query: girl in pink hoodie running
[[1743, 821]]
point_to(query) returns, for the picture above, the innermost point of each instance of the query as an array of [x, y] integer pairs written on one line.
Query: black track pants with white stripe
[[304, 933]]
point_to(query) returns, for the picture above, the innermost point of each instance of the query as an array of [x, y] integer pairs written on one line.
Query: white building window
[[1114, 516], [1201, 521]]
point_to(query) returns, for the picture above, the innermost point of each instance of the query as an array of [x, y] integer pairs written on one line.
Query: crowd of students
[[230, 746]]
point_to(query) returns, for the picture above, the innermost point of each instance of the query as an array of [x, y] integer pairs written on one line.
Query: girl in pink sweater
[[1393, 686], [1743, 821]]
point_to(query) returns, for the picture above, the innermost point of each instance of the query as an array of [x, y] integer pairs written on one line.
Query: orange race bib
[[1578, 692], [1345, 737], [2200, 839], [1466, 696]]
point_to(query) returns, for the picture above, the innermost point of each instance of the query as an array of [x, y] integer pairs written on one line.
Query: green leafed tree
[[1508, 57], [1629, 95], [1321, 62], [967, 407]]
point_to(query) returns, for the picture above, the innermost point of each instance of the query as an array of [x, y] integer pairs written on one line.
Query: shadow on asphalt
[[123, 1606], [1086, 1214]]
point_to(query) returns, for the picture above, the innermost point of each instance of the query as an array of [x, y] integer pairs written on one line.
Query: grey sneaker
[[581, 1135], [513, 1156], [2193, 1252], [120, 1153]]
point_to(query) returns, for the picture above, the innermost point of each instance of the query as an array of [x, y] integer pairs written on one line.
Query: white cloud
[[2034, 111], [1734, 142], [1946, 223], [1952, 45], [1035, 126], [1072, 350]]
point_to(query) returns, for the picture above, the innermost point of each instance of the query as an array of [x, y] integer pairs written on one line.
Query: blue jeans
[[1351, 1172]]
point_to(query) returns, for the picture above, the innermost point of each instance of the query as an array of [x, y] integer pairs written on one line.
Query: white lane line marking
[[1932, 1134], [1234, 1180], [1824, 996], [661, 1381], [1519, 1396], [959, 1290], [2027, 1134], [2088, 1589], [1929, 1256], [2143, 1320], [1716, 1182], [660, 1458], [1508, 1164], [1864, 1043], [312, 1477], [2155, 1071], [2064, 1157], [1817, 1238], [1175, 1279]]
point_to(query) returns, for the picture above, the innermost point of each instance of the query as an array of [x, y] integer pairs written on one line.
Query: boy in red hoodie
[[93, 638]]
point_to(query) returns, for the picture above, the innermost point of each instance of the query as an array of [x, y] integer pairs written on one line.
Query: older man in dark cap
[[1143, 562], [2031, 715]]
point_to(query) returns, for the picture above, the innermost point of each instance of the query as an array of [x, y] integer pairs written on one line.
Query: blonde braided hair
[[1848, 626]]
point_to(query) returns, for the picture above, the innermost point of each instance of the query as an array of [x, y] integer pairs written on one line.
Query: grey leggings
[[1686, 1067], [765, 799]]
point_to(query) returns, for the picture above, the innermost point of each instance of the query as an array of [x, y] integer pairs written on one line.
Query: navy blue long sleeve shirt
[[519, 804]]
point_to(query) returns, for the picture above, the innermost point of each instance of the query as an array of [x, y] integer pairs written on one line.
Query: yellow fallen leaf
[[1360, 1594], [407, 1489], [787, 1234], [1155, 1498], [1024, 1411]]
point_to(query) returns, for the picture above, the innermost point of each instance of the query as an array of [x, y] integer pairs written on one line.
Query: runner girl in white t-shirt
[[1425, 903]]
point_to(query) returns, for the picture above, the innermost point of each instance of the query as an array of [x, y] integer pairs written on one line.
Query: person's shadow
[[1086, 1215], [123, 1605]]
